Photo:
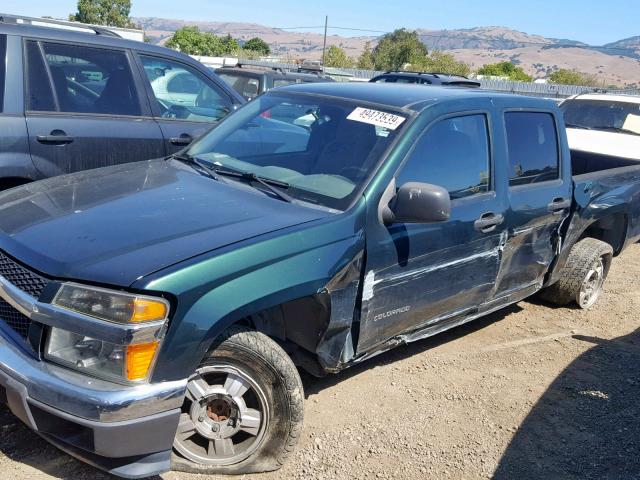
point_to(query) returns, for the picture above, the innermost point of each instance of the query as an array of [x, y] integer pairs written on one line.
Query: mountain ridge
[[615, 63]]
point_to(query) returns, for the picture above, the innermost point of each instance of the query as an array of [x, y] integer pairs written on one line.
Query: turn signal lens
[[139, 360], [145, 310]]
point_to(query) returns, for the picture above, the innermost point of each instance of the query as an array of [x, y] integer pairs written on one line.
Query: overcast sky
[[590, 21]]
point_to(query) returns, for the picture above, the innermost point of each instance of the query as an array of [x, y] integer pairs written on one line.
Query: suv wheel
[[243, 410]]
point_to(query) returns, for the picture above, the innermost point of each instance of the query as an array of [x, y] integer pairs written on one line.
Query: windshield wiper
[[617, 129], [250, 177], [196, 164]]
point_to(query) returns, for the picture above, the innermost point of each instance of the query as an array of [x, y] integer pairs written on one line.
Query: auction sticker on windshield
[[376, 117]]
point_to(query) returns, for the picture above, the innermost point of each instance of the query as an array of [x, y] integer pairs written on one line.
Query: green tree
[[441, 62], [397, 49], [190, 40], [229, 44], [365, 60], [257, 45], [573, 77], [505, 69], [112, 13], [337, 57]]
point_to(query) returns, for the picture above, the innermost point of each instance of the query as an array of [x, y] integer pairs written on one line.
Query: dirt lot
[[530, 392]]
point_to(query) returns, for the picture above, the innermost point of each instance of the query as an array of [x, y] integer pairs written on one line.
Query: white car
[[603, 124]]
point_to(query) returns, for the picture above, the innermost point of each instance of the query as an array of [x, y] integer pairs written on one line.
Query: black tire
[[583, 256], [271, 369]]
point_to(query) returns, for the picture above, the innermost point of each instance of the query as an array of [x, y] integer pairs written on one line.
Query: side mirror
[[418, 203]]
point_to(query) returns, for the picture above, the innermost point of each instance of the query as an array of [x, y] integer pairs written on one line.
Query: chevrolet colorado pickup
[[154, 313]]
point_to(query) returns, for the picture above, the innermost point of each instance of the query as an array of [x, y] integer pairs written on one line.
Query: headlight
[[102, 359], [110, 305], [85, 353]]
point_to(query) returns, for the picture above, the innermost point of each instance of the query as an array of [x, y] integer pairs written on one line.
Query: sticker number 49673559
[[376, 117]]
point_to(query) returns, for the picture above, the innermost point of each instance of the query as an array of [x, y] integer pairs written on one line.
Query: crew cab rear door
[[539, 195], [418, 275]]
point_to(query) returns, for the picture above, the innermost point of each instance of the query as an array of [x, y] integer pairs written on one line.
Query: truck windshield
[[602, 115], [322, 149]]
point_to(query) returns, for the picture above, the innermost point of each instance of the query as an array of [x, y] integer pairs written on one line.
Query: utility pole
[[324, 45]]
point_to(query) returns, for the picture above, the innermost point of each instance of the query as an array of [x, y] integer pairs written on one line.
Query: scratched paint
[[433, 284], [336, 345]]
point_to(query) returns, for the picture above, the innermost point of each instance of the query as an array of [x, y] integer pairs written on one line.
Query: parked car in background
[[251, 81], [425, 78], [74, 100], [604, 124], [153, 314]]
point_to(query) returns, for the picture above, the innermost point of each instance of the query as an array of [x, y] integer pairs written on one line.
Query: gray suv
[[74, 100], [253, 81]]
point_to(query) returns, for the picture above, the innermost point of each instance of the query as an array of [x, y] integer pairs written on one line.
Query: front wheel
[[243, 411], [582, 278]]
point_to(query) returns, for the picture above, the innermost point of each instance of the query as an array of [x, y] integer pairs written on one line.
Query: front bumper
[[126, 430]]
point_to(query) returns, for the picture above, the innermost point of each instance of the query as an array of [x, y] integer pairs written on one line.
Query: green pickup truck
[[154, 315]]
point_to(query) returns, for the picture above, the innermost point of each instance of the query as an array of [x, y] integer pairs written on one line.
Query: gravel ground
[[529, 392]]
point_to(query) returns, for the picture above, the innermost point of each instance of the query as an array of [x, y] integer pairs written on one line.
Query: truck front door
[[421, 274]]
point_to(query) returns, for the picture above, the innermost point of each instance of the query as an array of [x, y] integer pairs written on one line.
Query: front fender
[[216, 292]]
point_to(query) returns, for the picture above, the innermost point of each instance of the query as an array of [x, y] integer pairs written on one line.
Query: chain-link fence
[[547, 90]]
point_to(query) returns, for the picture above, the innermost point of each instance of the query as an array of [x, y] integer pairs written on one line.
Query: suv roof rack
[[435, 74], [61, 24], [257, 67]]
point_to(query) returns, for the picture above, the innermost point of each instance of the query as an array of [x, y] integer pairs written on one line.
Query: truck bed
[[588, 162], [606, 189]]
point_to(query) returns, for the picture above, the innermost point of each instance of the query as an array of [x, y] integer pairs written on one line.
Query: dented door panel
[[533, 235], [421, 274]]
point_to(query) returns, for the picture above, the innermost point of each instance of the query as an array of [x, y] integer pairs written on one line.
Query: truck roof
[[410, 97]]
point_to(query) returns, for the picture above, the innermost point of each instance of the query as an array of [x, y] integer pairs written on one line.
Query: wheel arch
[[610, 227], [305, 302]]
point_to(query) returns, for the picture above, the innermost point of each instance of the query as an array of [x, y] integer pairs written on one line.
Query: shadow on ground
[[587, 424]]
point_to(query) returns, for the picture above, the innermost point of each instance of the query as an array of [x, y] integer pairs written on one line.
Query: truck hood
[[115, 225], [614, 144]]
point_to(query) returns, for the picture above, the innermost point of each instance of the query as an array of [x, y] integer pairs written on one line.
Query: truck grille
[[27, 281]]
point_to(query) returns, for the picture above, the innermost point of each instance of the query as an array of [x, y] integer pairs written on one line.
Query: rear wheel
[[243, 410], [582, 278]]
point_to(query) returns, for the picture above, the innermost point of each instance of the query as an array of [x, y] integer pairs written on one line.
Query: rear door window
[[183, 93], [532, 143], [248, 87], [82, 79], [39, 90], [283, 82]]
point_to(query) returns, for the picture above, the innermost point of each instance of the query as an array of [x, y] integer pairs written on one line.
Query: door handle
[[558, 205], [183, 139], [488, 222], [56, 137]]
